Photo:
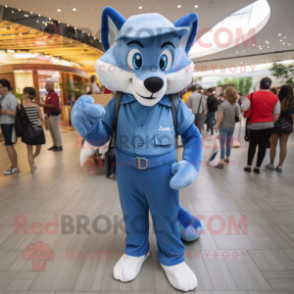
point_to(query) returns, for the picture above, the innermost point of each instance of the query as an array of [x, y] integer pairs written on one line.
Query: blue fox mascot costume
[[145, 58]]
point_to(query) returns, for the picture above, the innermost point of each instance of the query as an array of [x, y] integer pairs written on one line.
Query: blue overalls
[[145, 152]]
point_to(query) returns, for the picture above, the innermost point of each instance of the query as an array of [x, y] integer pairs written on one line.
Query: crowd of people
[[25, 120], [269, 112], [270, 117]]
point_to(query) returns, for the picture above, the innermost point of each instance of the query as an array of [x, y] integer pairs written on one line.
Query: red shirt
[[52, 99], [107, 91], [262, 107]]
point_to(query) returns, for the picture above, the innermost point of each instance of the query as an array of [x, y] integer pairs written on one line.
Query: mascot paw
[[192, 232], [85, 113], [128, 267], [181, 277], [184, 175]]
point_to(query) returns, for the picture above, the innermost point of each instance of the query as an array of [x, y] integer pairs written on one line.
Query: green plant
[[242, 84], [74, 87], [284, 73], [18, 94]]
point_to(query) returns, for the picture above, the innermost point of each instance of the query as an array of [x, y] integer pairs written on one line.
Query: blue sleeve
[[193, 147], [184, 118], [101, 131]]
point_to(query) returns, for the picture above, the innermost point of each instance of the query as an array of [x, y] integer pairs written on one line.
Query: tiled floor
[[247, 247]]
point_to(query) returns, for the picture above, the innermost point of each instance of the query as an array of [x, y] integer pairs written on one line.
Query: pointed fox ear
[[191, 21], [112, 21]]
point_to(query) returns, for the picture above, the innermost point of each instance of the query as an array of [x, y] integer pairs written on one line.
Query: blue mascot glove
[[184, 175], [85, 114]]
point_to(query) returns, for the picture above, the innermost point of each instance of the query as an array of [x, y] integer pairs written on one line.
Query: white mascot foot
[[128, 267], [181, 277]]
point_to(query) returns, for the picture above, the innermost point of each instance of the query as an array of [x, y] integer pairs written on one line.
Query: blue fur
[[117, 19], [186, 171], [187, 21], [190, 227]]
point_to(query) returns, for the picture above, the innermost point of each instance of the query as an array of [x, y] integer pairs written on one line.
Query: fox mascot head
[[146, 55]]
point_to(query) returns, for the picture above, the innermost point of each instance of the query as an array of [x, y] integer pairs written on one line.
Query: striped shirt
[[33, 115]]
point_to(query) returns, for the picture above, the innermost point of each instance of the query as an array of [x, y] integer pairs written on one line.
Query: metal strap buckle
[[139, 166]]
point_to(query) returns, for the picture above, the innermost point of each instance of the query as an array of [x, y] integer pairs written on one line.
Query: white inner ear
[[112, 31], [184, 40]]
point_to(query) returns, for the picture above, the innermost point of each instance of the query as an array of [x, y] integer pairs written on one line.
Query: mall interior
[[65, 223]]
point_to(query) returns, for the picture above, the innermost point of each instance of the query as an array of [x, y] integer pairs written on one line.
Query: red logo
[[39, 253]]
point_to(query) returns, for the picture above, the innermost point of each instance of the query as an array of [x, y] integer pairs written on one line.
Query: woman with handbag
[[228, 115], [29, 124], [265, 111], [283, 127]]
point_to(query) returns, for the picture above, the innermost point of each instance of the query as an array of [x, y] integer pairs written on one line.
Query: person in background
[[274, 90], [241, 98], [265, 111], [212, 105], [283, 127], [228, 110], [94, 86], [72, 100], [197, 103], [36, 118], [8, 106], [187, 95], [221, 98], [199, 90], [52, 110]]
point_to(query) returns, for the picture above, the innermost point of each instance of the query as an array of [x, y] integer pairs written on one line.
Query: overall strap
[[175, 102], [118, 97]]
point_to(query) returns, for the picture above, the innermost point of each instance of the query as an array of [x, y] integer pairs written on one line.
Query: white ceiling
[[210, 12], [88, 13]]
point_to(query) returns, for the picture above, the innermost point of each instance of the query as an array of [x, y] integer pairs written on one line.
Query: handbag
[[247, 130], [13, 136], [237, 118], [31, 134], [110, 159], [199, 119]]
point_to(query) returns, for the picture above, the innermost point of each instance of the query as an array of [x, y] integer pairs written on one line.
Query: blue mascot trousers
[[139, 191]]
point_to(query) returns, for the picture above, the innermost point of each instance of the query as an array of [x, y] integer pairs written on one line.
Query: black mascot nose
[[153, 84]]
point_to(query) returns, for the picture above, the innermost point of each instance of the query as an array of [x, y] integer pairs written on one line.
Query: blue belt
[[142, 163]]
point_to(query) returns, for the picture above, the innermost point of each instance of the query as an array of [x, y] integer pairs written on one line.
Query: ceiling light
[[10, 51], [140, 7], [268, 47], [285, 37], [196, 6], [32, 12], [59, 21], [74, 9], [59, 10], [39, 15], [19, 9], [12, 11], [289, 44], [37, 21], [179, 6], [281, 40], [26, 15], [49, 18], [6, 6], [280, 34], [237, 52], [283, 43]]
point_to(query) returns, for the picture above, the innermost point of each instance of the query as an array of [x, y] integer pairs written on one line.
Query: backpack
[[212, 103], [110, 159]]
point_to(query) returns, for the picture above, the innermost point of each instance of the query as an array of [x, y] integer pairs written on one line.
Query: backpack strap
[[118, 97], [175, 102]]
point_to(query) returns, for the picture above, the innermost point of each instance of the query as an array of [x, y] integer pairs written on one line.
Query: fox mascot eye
[[135, 60], [166, 60]]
